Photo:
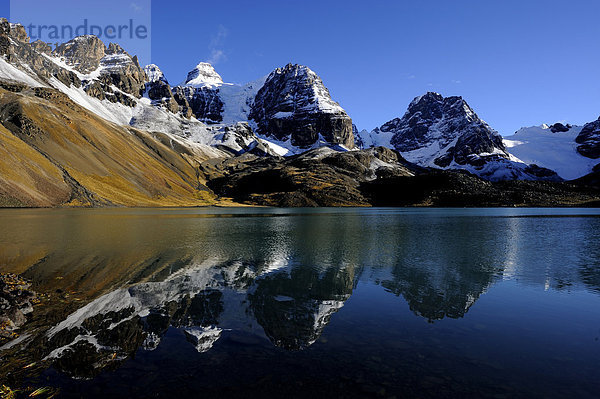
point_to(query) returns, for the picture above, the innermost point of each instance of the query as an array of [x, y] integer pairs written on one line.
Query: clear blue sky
[[517, 63]]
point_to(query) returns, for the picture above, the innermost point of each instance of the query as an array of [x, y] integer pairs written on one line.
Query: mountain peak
[[428, 97], [295, 104], [154, 73], [440, 131], [203, 74]]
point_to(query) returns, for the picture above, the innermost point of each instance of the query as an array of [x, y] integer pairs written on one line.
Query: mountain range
[[85, 124]]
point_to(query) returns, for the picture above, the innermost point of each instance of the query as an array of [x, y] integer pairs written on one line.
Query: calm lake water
[[311, 302]]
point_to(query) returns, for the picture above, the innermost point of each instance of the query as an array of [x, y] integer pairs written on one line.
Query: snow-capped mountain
[[111, 83], [295, 105], [440, 131], [445, 132], [203, 75]]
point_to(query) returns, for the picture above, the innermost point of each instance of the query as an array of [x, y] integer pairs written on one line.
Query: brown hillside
[[54, 152]]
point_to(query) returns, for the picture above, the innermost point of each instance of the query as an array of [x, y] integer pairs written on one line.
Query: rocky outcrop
[[377, 177], [119, 76], [589, 140], [104, 72], [462, 189], [560, 128], [83, 53], [294, 105], [123, 71], [447, 125], [16, 302]]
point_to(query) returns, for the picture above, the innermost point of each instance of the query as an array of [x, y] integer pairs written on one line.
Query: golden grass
[[124, 166]]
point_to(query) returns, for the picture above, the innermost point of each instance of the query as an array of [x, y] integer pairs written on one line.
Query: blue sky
[[517, 63]]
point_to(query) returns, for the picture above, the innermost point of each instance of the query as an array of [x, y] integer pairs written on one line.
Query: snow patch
[[557, 151]]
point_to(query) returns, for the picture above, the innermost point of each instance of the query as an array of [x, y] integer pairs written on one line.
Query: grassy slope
[[27, 177], [54, 152]]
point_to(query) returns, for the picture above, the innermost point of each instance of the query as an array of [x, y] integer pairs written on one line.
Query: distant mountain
[[445, 132]]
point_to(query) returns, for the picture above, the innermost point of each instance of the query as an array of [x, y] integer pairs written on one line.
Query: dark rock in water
[[589, 140], [462, 136], [560, 128], [294, 104], [16, 301]]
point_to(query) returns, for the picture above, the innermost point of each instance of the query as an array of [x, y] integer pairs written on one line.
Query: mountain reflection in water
[[271, 275]]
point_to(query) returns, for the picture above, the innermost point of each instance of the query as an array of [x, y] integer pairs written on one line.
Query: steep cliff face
[[294, 105], [84, 62], [199, 95], [203, 103], [158, 90]]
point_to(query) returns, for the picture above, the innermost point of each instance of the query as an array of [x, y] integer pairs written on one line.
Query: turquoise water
[[315, 302]]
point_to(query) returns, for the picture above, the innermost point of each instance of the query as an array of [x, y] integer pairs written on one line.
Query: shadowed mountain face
[[589, 140]]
